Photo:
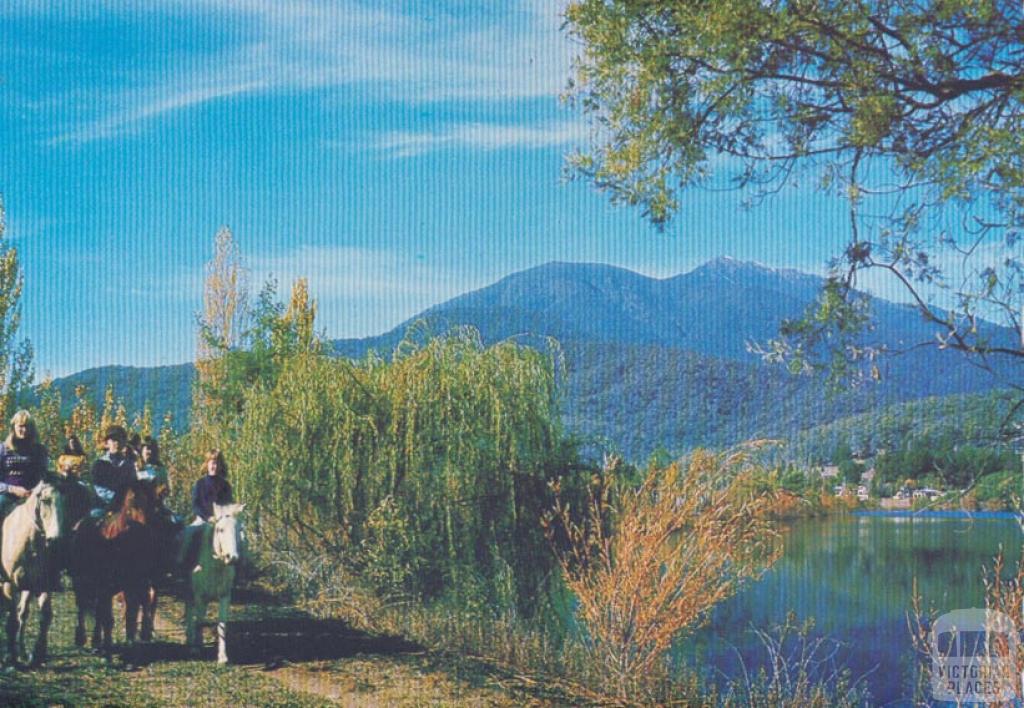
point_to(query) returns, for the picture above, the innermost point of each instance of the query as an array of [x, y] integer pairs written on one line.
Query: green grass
[[166, 675], [280, 657]]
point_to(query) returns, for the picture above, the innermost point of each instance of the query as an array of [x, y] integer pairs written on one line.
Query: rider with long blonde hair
[[22, 462]]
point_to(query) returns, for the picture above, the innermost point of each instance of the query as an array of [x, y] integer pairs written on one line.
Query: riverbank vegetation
[[434, 495]]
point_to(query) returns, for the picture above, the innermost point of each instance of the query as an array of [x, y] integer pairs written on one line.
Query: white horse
[[220, 550], [29, 559]]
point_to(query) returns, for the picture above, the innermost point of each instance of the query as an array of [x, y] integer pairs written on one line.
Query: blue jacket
[[207, 491]]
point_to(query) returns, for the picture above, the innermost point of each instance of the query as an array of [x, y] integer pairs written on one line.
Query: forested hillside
[[973, 419], [651, 364]]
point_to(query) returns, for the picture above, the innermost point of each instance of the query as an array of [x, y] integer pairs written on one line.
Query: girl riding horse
[[22, 462], [210, 489]]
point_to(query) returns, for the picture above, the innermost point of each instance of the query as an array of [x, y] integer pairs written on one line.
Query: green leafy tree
[[47, 414], [431, 471], [850, 472], [909, 110], [16, 356], [83, 418]]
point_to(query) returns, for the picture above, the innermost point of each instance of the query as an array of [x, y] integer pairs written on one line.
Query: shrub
[[647, 564]]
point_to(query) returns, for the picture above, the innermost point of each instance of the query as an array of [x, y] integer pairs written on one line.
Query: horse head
[[47, 506], [227, 533], [134, 505], [138, 502]]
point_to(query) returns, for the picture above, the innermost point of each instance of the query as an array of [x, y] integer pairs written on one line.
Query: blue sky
[[396, 153]]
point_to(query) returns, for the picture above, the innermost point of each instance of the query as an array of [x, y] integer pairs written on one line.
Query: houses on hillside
[[865, 488]]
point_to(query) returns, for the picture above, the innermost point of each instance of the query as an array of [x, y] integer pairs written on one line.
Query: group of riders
[[24, 463]]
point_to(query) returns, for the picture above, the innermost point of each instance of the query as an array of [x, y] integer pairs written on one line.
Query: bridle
[[218, 553]]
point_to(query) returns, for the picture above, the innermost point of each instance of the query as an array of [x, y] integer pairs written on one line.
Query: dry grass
[[802, 671], [1004, 594]]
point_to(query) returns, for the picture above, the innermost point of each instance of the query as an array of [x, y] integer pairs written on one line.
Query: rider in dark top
[[22, 462], [114, 470], [212, 488]]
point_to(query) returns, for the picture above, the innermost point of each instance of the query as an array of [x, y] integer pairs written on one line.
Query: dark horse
[[118, 552], [166, 530]]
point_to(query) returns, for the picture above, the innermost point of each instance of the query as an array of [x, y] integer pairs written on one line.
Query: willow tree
[[473, 440], [430, 471], [909, 110]]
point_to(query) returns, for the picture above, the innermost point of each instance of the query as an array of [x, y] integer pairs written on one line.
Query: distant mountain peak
[[729, 267]]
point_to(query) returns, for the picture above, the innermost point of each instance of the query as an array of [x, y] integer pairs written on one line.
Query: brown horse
[[112, 554], [165, 529]]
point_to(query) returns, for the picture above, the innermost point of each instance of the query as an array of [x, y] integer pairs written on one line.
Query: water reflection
[[855, 576]]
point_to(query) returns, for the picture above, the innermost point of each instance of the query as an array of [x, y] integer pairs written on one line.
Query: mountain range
[[652, 363]]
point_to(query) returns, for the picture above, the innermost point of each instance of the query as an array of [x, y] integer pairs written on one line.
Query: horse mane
[[133, 505]]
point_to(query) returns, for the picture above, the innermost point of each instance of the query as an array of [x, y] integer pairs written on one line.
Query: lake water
[[855, 576]]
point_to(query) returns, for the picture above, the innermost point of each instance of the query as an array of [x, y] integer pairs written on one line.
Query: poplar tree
[[16, 357], [222, 325]]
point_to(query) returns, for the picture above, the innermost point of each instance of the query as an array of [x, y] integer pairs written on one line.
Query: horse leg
[[24, 607], [131, 614], [12, 633], [223, 608], [81, 605], [97, 629], [105, 624], [45, 619], [190, 623], [148, 613]]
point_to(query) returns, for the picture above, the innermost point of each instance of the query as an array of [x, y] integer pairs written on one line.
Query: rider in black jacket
[[114, 470]]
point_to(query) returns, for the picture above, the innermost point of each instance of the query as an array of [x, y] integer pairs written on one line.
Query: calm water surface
[[855, 576]]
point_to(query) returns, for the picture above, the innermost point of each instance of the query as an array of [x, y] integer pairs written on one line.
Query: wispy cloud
[[346, 280], [353, 272], [480, 136], [432, 55], [150, 104]]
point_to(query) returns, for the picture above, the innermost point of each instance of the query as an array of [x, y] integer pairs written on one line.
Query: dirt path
[[330, 660]]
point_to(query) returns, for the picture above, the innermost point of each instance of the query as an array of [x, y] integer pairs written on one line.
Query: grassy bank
[[281, 656]]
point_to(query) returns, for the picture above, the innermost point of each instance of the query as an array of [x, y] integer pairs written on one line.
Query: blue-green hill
[[652, 363]]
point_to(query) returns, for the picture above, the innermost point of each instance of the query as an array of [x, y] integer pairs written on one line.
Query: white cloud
[[431, 56], [149, 104], [361, 291], [480, 136]]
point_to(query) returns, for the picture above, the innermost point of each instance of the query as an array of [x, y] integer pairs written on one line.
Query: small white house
[[830, 471]]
